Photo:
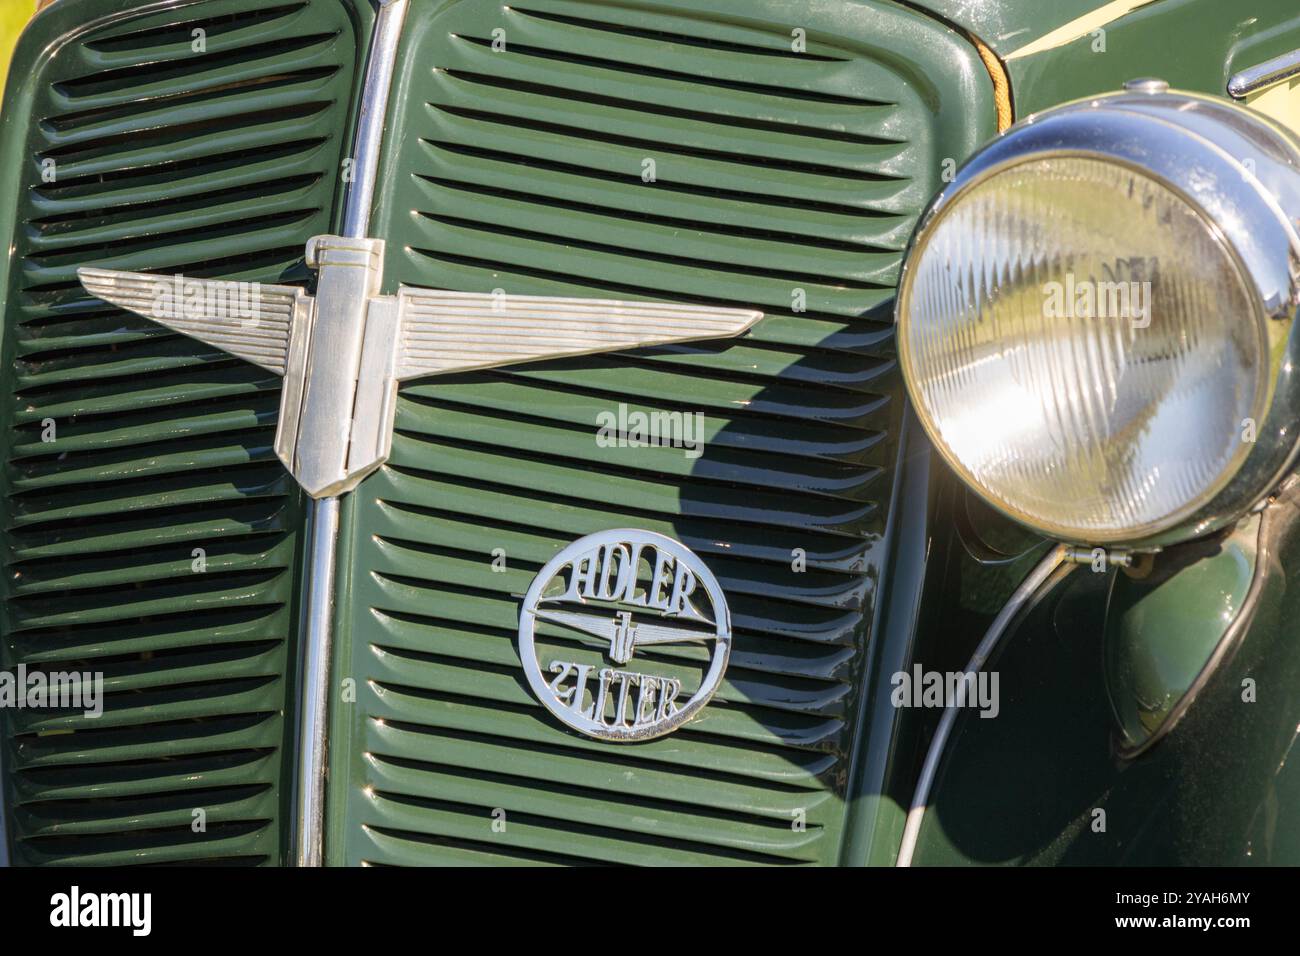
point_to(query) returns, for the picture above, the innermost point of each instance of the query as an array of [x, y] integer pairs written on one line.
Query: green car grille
[[150, 532], [677, 151]]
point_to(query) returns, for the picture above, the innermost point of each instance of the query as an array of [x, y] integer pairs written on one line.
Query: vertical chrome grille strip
[[323, 514], [322, 538], [370, 124]]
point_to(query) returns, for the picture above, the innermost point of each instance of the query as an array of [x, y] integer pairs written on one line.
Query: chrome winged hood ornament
[[343, 351]]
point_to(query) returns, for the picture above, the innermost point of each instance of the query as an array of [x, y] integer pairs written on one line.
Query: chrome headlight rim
[[1252, 212], [1259, 405]]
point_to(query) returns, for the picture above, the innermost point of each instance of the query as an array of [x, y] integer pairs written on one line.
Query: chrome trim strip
[[1054, 561], [1272, 71], [323, 514], [370, 124], [313, 737]]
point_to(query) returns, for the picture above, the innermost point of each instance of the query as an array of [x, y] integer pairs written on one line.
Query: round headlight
[[1095, 319]]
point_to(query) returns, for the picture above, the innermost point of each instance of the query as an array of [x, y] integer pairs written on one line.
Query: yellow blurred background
[[14, 15]]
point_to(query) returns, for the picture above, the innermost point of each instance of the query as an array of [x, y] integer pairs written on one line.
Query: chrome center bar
[[313, 739], [374, 110], [323, 514]]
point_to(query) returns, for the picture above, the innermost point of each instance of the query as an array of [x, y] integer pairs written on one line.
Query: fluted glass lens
[[1083, 348]]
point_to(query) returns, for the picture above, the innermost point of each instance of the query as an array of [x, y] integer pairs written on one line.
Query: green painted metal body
[[1163, 628], [524, 170], [1193, 45], [1218, 788]]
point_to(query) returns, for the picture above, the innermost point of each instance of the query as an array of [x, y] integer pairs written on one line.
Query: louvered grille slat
[[216, 163], [521, 169]]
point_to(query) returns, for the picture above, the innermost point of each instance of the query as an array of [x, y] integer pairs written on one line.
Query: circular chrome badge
[[634, 635]]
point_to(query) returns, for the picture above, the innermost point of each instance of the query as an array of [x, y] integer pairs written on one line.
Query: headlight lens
[[1096, 321], [1084, 346]]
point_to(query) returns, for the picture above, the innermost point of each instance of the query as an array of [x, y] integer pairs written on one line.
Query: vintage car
[[650, 432]]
